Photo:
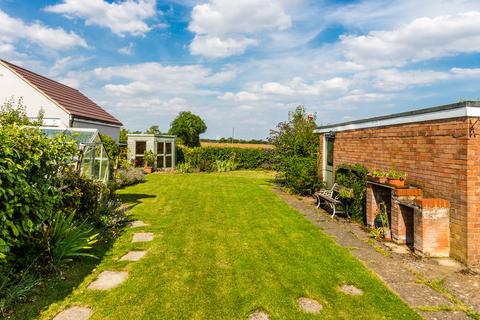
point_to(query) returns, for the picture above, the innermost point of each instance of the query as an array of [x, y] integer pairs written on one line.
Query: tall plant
[[296, 148]]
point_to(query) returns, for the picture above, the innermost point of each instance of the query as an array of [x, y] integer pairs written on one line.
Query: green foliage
[[296, 147], [153, 130], [29, 167], [354, 176], [14, 288], [184, 167], [149, 158], [379, 173], [394, 174], [123, 135], [225, 165], [67, 240], [188, 127], [205, 158], [111, 146], [14, 114], [382, 214]]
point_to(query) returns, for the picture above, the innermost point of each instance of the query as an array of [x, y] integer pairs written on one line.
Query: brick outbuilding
[[438, 148]]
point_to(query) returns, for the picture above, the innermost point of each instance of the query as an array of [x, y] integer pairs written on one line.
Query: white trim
[[324, 159], [438, 115], [99, 122]]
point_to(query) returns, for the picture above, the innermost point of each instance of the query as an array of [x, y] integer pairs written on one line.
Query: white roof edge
[[438, 115]]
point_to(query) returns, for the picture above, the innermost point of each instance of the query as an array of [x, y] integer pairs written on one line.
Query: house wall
[[439, 157], [13, 86], [110, 130]]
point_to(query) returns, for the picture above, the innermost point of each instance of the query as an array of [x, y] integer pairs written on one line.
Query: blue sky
[[245, 64]]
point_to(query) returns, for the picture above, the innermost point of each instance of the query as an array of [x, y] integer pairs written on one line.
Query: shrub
[[128, 176], [184, 167], [205, 158], [225, 165], [295, 152], [29, 167], [354, 176]]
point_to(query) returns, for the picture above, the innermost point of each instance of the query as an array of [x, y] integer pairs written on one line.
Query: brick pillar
[[432, 227], [372, 207], [397, 225]]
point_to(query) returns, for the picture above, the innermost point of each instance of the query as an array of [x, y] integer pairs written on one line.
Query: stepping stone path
[[309, 305], [137, 224], [259, 315], [133, 256], [142, 237], [108, 280], [74, 313], [351, 290]]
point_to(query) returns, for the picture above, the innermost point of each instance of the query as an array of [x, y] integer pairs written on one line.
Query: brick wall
[[434, 155]]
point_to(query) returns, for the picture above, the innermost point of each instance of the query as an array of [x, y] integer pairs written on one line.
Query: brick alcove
[[421, 223]]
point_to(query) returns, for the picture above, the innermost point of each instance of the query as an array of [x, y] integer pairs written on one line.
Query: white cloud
[[394, 79], [224, 28], [126, 17], [13, 30], [422, 39], [466, 72], [240, 96], [216, 47], [128, 50], [360, 96]]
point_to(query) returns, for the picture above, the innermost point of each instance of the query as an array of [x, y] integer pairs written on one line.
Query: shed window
[[140, 147]]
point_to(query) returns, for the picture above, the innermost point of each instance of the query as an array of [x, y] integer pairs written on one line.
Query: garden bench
[[330, 197]]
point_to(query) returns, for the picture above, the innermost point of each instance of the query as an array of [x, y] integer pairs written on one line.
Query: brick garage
[[439, 150]]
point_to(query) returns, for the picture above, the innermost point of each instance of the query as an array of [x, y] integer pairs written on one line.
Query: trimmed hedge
[[354, 176], [205, 158]]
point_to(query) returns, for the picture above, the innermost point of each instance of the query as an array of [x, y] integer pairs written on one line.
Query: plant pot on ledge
[[398, 183]]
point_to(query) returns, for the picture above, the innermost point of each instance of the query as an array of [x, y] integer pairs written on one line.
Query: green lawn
[[226, 245]]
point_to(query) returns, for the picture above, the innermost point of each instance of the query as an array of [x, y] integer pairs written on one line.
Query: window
[[140, 147], [168, 147], [160, 148]]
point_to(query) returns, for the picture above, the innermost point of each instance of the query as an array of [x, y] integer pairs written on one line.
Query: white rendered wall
[[110, 130], [11, 85]]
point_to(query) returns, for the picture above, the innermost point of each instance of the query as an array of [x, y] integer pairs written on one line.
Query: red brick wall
[[434, 156]]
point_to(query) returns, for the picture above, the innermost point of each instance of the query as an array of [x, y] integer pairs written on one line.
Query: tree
[[188, 127], [296, 147], [153, 130], [123, 135]]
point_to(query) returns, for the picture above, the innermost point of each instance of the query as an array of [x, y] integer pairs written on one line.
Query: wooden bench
[[330, 197]]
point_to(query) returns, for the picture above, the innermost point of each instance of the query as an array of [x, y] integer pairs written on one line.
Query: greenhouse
[[92, 159], [162, 146]]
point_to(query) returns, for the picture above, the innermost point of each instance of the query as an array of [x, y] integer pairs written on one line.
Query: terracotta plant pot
[[147, 169], [387, 234], [398, 183]]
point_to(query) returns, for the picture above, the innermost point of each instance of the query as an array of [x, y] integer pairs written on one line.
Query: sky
[[245, 64]]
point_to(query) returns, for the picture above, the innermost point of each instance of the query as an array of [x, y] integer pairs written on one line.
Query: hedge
[[204, 158]]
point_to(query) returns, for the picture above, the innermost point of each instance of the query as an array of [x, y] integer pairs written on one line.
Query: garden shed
[[439, 150], [163, 147], [92, 159]]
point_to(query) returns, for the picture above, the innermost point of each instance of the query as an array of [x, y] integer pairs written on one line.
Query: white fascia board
[[431, 116]]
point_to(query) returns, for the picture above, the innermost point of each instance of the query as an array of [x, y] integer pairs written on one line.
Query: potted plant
[[396, 179], [382, 212], [378, 176], [148, 160]]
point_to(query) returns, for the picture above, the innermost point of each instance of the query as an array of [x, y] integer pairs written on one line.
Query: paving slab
[[259, 315], [309, 305], [351, 290], [133, 256], [137, 224], [142, 237], [108, 280], [74, 313]]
